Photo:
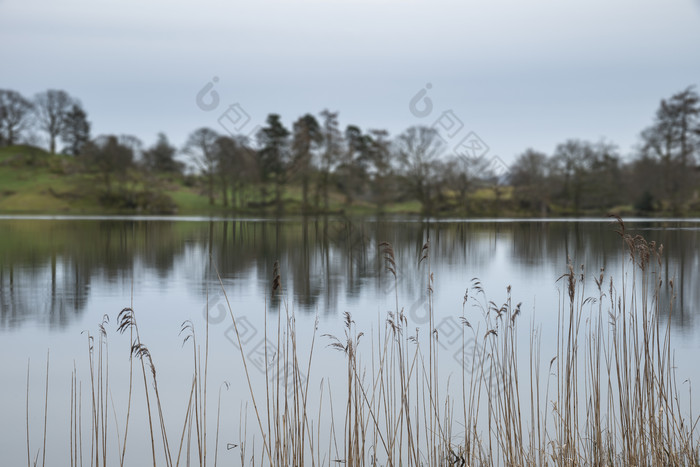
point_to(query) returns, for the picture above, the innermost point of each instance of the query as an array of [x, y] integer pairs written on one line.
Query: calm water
[[60, 276]]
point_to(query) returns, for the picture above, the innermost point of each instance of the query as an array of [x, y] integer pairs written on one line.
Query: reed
[[608, 396]]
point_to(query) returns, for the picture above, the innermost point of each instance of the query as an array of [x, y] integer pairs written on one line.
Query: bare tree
[[418, 149], [236, 167], [528, 175], [605, 184], [201, 147], [111, 157], [464, 175], [570, 165], [51, 107], [15, 113]]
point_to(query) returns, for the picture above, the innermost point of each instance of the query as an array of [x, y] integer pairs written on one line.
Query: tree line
[[53, 112], [329, 165], [661, 175]]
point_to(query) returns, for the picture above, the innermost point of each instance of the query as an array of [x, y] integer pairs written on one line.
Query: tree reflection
[[47, 267]]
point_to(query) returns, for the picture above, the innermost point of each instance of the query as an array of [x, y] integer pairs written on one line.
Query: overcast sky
[[519, 74]]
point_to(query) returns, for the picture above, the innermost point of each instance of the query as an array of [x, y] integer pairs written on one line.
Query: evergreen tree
[[161, 156], [274, 154], [307, 136], [75, 131]]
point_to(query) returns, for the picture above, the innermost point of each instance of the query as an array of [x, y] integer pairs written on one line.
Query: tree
[[642, 185], [111, 157], [236, 166], [201, 146], [306, 137], [354, 164], [418, 149], [528, 175], [134, 144], [570, 165], [604, 183], [464, 175], [379, 150], [161, 156], [51, 108], [274, 154], [15, 112], [332, 147], [586, 175], [75, 131], [674, 139]]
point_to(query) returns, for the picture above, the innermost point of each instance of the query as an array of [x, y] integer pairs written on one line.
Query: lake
[[59, 277]]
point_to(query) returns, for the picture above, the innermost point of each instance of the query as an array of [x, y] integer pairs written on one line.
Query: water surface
[[60, 275]]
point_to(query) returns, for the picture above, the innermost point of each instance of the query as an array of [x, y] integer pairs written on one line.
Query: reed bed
[[609, 395]]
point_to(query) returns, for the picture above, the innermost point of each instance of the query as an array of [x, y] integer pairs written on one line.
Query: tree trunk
[[305, 193], [278, 193], [224, 192], [317, 193]]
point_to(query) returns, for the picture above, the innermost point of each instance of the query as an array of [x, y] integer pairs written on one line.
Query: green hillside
[[32, 181]]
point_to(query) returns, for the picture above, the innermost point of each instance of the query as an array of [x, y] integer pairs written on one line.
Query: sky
[[519, 74]]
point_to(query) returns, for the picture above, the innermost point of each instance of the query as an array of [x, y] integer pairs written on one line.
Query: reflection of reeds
[[608, 396]]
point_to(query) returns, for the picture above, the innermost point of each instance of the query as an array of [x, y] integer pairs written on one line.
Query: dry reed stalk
[[127, 320], [46, 409], [186, 422], [218, 416], [266, 447], [29, 460]]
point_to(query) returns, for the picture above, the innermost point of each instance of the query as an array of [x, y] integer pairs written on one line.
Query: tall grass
[[608, 396]]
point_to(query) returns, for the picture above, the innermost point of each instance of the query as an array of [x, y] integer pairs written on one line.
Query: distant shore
[[32, 181]]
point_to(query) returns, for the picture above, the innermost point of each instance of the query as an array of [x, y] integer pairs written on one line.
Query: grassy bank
[[33, 181], [610, 395]]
